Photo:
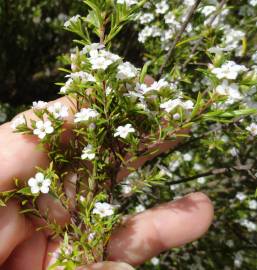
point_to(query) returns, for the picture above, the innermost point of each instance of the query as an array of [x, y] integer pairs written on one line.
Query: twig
[[222, 3], [211, 172], [179, 35]]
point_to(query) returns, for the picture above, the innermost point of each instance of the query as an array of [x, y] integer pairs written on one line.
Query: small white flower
[[126, 71], [189, 2], [162, 7], [123, 131], [188, 105], [92, 49], [145, 34], [229, 70], [161, 84], [43, 128], [253, 3], [91, 236], [126, 189], [139, 208], [82, 198], [127, 2], [170, 19], [170, 105], [201, 180], [67, 86], [108, 90], [187, 157], [59, 110], [39, 183], [241, 196], [248, 224], [18, 121], [230, 243], [88, 152], [207, 10], [100, 63], [146, 18], [234, 151], [229, 90], [103, 209], [71, 21], [253, 204], [176, 116], [85, 114], [252, 129], [39, 105], [155, 261], [254, 56], [82, 76]]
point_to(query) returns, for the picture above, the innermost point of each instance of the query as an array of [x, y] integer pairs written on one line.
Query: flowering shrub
[[106, 136]]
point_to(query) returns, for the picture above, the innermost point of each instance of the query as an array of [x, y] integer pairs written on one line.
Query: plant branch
[[179, 35], [213, 18]]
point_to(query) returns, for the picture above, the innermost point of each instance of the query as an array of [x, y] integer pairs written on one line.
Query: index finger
[[19, 153]]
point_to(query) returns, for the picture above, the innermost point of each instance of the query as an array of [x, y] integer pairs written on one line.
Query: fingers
[[19, 156], [19, 153], [108, 266], [154, 150], [53, 210], [14, 229], [29, 255], [167, 226]]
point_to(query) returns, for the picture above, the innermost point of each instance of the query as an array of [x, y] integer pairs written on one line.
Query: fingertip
[[14, 229], [53, 209], [167, 226]]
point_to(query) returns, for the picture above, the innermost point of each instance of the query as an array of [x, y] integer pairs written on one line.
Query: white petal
[[41, 135], [40, 176], [35, 189], [49, 130], [32, 182], [44, 189], [39, 124], [47, 182]]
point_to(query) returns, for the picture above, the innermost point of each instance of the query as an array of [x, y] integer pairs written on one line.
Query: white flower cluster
[[103, 209], [98, 57]]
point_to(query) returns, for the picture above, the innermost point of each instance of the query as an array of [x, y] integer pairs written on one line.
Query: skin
[[139, 238]]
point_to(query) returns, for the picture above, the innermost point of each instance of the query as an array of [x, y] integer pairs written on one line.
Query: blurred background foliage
[[30, 42]]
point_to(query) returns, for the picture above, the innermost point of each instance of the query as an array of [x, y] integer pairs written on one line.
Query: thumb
[[108, 266]]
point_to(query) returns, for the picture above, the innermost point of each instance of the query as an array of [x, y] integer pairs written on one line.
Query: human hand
[[139, 238]]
